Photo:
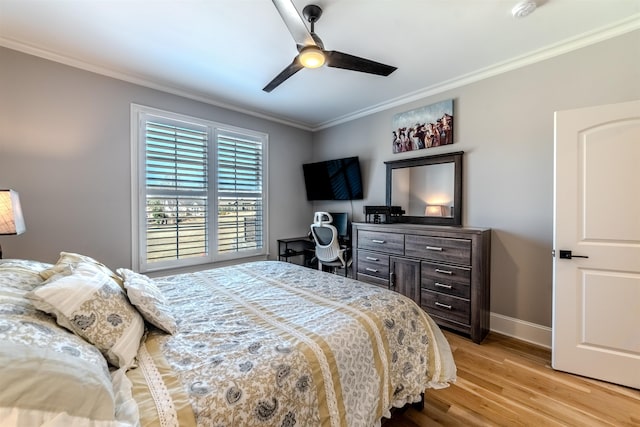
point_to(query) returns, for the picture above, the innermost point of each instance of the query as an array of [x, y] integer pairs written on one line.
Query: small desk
[[296, 246]]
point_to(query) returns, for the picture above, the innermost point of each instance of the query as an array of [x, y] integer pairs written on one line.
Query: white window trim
[[138, 195]]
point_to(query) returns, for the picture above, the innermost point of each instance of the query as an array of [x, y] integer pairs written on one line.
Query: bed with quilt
[[264, 343]]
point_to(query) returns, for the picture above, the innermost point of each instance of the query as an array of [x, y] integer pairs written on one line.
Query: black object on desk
[[292, 247], [382, 214]]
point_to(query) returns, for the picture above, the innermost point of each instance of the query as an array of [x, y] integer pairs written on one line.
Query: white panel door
[[596, 292]]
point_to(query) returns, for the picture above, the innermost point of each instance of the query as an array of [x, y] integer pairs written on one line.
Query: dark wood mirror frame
[[456, 159]]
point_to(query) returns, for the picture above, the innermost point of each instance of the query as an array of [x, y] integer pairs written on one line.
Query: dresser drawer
[[445, 306], [373, 264], [435, 277], [446, 279], [391, 243], [457, 251]]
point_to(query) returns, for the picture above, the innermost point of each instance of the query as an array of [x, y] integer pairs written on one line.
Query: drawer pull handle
[[373, 270], [434, 248], [370, 258], [444, 271], [439, 304], [442, 285], [377, 241]]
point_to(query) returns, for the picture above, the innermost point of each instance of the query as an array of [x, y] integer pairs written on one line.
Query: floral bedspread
[[275, 344]]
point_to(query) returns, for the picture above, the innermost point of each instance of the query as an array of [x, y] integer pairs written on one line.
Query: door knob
[[564, 254]]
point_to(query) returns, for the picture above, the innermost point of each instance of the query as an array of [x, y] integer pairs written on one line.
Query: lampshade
[[434, 210], [311, 57], [11, 220]]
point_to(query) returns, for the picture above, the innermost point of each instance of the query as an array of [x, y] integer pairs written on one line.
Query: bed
[[258, 344]]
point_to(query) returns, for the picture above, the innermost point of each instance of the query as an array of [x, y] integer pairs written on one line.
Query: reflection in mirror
[[428, 189], [424, 190]]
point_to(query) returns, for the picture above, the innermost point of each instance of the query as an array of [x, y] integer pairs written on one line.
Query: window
[[199, 192]]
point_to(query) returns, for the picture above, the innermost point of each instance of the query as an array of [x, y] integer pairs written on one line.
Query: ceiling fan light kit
[[311, 57]]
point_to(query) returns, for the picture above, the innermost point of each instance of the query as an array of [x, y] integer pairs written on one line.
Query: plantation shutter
[[177, 209], [198, 191], [239, 171]]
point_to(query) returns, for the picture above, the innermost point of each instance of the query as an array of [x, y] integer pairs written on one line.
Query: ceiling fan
[[311, 53]]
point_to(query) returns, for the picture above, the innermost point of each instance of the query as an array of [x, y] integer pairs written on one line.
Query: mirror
[[429, 189]]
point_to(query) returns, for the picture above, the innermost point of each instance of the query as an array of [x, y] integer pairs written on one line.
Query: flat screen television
[[337, 179]]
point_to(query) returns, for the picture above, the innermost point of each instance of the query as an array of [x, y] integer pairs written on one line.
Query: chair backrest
[[326, 238]]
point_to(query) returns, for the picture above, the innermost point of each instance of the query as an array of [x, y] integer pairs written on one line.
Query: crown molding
[[627, 25], [141, 81], [619, 28]]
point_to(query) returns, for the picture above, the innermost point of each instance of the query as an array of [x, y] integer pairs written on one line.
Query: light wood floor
[[506, 382]]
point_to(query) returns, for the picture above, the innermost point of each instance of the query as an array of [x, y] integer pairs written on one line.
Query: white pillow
[[68, 261], [148, 299], [40, 381], [91, 304]]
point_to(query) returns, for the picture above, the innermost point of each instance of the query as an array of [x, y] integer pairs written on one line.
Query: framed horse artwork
[[424, 127]]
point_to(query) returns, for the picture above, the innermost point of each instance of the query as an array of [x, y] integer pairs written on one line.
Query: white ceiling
[[225, 51]]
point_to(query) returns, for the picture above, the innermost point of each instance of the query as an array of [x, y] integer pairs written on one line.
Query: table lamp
[[11, 220], [434, 210]]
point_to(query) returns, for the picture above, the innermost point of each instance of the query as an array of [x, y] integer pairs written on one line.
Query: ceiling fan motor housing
[[312, 13]]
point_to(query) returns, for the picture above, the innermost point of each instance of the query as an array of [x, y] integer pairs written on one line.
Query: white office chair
[[328, 249]]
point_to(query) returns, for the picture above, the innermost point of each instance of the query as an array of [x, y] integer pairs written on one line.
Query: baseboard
[[522, 330]]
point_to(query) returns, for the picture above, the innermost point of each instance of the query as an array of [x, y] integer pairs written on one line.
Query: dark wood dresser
[[443, 269]]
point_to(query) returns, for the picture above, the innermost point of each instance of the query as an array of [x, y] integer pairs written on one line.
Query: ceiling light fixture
[[524, 8], [311, 57]]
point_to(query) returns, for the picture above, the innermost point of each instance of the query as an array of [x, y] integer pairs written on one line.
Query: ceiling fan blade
[[294, 22], [349, 62], [293, 68]]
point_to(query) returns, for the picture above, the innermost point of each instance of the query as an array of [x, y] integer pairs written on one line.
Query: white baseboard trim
[[522, 330]]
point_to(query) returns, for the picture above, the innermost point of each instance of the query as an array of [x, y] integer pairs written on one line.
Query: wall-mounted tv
[[337, 179]]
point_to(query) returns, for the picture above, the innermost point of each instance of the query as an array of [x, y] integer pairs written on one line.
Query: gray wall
[[505, 127], [65, 147]]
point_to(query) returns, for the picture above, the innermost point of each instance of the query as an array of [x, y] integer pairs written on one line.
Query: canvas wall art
[[424, 127]]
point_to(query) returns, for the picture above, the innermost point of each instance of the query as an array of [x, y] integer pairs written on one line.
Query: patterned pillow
[[68, 261], [93, 306], [148, 299], [21, 274], [46, 372]]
